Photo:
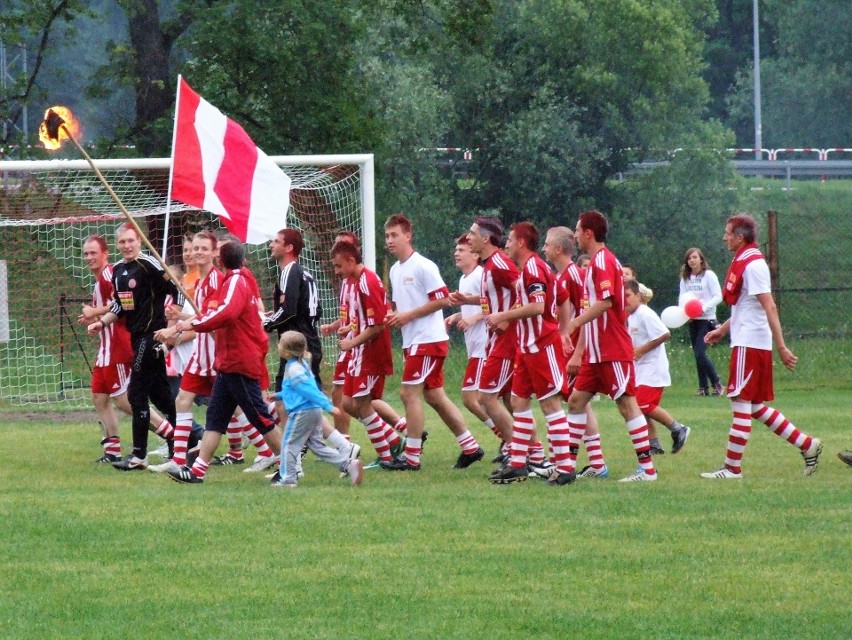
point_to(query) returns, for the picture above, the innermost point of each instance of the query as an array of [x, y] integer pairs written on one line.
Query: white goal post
[[48, 207]]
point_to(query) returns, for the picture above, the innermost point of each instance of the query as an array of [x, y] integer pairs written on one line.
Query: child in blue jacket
[[305, 403]]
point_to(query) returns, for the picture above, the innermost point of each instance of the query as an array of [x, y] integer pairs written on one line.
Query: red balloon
[[693, 308]]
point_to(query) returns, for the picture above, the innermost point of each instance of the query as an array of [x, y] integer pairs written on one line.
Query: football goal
[[47, 209]]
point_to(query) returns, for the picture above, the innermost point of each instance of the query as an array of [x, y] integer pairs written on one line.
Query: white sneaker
[[811, 456], [162, 451], [723, 474], [355, 471], [168, 465], [354, 453], [260, 463], [540, 470], [640, 476]]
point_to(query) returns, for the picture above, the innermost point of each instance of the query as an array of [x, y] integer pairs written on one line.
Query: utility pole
[[758, 126]]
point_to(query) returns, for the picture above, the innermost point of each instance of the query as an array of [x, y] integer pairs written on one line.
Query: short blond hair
[[293, 344]]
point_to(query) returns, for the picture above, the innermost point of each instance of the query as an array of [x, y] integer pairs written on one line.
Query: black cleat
[[467, 459], [560, 478], [131, 463], [227, 459], [509, 474], [108, 457], [185, 476], [679, 437], [399, 464]]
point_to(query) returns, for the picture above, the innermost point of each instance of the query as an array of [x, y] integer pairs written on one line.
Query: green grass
[[92, 553]]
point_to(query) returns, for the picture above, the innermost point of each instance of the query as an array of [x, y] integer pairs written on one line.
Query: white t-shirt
[[182, 352], [652, 369], [476, 337], [414, 283], [706, 288], [749, 325]]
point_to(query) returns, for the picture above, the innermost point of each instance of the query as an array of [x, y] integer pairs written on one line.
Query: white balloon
[[674, 317], [685, 297]]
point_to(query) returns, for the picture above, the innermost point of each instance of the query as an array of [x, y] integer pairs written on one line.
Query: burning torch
[[53, 130]]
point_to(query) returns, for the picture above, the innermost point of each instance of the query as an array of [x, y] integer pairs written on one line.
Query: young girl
[[305, 403], [696, 278], [649, 335]]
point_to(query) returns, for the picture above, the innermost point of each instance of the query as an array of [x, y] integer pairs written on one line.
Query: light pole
[[758, 126]]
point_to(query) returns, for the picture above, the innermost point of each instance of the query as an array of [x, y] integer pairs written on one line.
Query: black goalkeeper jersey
[[297, 306], [141, 288]]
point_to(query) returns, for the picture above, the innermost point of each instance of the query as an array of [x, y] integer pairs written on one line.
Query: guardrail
[[788, 169]]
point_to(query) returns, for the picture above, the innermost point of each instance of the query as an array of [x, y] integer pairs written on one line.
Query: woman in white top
[[696, 278]]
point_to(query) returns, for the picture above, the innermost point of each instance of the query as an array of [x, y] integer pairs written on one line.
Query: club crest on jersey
[[131, 283]]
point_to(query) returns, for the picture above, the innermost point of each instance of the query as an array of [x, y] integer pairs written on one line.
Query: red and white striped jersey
[[607, 338], [368, 305], [536, 284], [499, 275], [203, 355], [114, 341], [569, 287]]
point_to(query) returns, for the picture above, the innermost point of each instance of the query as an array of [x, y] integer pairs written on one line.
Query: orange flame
[[71, 126]]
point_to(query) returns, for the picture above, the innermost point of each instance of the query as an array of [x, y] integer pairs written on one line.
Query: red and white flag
[[217, 167]]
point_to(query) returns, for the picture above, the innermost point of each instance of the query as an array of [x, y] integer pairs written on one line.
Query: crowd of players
[[559, 332]]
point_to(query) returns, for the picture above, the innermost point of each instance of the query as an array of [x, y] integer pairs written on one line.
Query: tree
[[807, 85], [31, 25]]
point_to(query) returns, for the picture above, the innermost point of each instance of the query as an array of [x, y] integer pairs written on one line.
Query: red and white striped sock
[[391, 436], [112, 446], [376, 433], [235, 439], [272, 411], [780, 426], [488, 422], [401, 426], [255, 437], [576, 429], [183, 428], [558, 434], [413, 448], [594, 451], [523, 426], [467, 442], [536, 454], [165, 430], [199, 468], [638, 430], [738, 436]]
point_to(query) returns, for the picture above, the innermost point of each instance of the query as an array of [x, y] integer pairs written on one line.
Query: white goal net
[[47, 208]]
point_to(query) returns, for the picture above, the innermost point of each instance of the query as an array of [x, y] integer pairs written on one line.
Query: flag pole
[[171, 171], [131, 220]]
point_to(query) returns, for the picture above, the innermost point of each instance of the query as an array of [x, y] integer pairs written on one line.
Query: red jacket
[[241, 342]]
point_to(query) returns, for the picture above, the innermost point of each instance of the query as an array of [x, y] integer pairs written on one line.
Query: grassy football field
[[88, 552]]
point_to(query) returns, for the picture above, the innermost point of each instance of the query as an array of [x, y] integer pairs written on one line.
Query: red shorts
[[615, 379], [364, 385], [648, 398], [496, 376], [541, 373], [472, 374], [199, 385], [422, 369], [750, 377], [111, 379], [340, 371]]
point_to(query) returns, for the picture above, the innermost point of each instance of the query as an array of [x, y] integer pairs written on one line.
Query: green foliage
[[656, 217], [806, 76]]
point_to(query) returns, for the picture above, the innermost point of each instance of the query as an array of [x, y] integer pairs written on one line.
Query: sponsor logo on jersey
[[606, 284]]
